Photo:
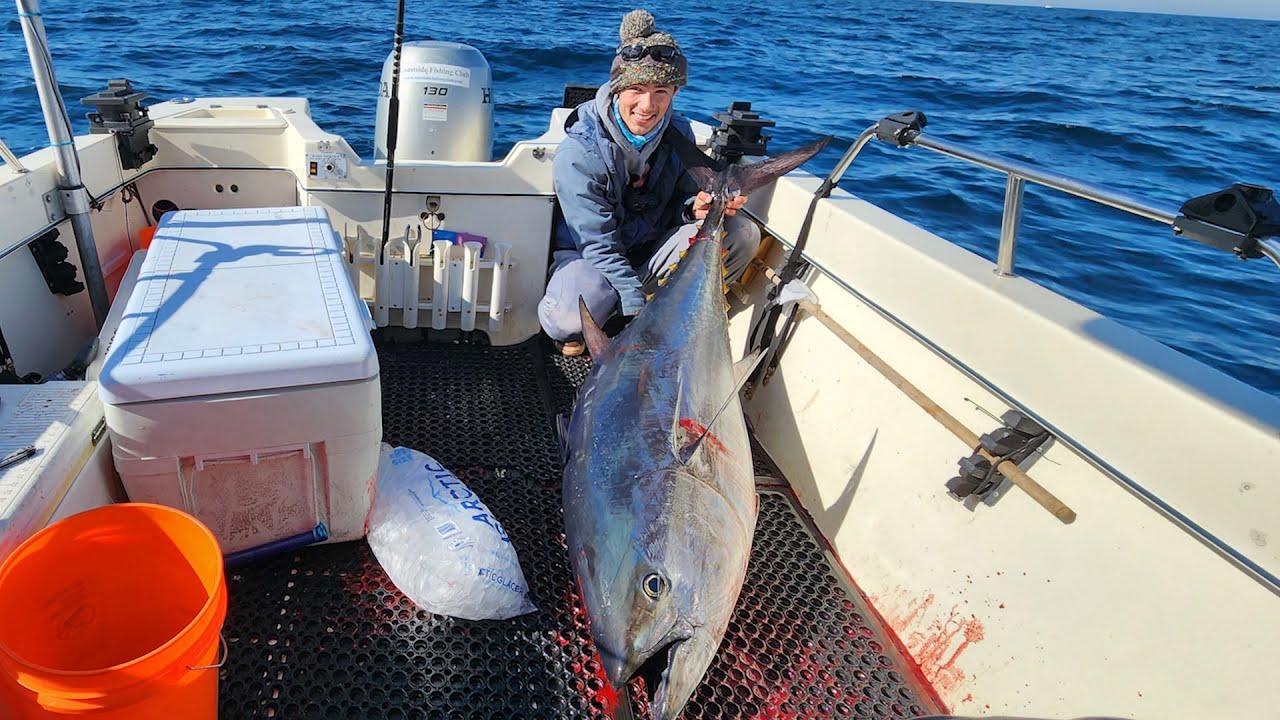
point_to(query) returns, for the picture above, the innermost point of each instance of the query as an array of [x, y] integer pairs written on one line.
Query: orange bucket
[[110, 614]]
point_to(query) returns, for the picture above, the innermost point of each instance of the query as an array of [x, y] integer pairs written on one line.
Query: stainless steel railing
[[10, 159], [905, 129]]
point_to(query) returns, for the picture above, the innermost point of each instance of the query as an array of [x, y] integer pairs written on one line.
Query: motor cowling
[[446, 104]]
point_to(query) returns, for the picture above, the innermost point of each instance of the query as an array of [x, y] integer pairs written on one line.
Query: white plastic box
[[242, 384]]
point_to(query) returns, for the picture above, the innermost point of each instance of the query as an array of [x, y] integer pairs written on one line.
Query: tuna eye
[[653, 585]]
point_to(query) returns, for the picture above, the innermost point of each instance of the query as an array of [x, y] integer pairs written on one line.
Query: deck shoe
[[571, 349]]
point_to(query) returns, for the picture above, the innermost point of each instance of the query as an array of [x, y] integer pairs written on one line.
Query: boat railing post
[[75, 198], [1270, 248], [852, 154], [10, 159], [1009, 225]]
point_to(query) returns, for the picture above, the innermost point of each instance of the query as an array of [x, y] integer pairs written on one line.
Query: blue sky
[[1266, 9]]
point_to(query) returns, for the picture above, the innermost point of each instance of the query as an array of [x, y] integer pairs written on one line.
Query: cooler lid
[[238, 300]]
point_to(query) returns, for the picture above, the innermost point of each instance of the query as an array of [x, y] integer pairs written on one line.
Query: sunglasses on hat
[[657, 52]]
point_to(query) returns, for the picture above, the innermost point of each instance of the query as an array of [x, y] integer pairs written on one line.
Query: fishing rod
[[393, 124]]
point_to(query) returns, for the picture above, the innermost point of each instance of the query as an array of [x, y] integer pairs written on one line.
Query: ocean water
[[1164, 107]]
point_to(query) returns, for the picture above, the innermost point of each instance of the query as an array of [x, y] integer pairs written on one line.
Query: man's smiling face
[[642, 107]]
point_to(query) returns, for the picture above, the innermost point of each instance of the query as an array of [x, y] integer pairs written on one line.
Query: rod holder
[[413, 286], [470, 284], [382, 286], [393, 279], [440, 290], [498, 291]]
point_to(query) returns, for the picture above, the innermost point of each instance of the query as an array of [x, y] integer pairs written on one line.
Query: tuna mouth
[[656, 673]]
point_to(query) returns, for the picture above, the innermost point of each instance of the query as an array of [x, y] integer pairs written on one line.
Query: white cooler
[[242, 384]]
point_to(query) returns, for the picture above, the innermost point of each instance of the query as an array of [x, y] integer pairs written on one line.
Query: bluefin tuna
[[659, 494]]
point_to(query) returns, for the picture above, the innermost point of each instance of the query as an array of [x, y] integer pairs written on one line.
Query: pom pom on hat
[[635, 25], [638, 28]]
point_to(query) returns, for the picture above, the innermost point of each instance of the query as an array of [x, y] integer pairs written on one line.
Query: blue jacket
[[614, 225]]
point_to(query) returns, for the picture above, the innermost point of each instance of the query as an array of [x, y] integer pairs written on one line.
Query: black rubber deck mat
[[322, 633]]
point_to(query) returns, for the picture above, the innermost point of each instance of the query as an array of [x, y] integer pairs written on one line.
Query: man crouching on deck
[[627, 206]]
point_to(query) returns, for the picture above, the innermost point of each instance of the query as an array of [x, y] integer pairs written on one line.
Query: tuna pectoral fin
[[742, 370], [744, 367], [591, 332], [680, 438], [753, 177]]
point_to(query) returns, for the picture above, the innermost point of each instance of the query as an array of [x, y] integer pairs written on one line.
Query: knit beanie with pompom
[[637, 32]]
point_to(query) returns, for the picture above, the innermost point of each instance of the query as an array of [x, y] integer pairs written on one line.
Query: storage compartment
[[242, 385], [214, 118], [61, 421]]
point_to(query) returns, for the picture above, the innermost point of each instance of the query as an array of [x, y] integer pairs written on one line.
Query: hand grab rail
[[1243, 219]]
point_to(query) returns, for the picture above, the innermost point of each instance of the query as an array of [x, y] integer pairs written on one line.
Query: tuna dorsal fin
[[597, 341], [742, 369], [754, 177], [701, 166]]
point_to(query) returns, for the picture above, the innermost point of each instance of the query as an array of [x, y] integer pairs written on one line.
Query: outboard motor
[[446, 104]]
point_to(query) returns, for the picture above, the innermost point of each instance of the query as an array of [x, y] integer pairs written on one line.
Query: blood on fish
[[697, 429], [588, 668], [607, 695]]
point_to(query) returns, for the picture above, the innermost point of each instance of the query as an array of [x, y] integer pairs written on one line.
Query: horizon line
[[1051, 6]]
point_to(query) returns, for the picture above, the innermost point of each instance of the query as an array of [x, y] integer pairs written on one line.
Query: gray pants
[[572, 276]]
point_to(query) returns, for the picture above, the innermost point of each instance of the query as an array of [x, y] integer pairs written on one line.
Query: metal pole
[[1270, 248], [75, 199], [1067, 185], [10, 159], [1009, 225], [763, 333], [851, 154]]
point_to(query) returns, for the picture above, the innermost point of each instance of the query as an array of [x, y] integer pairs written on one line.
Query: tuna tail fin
[[597, 341], [700, 165], [742, 369], [704, 176], [754, 177]]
